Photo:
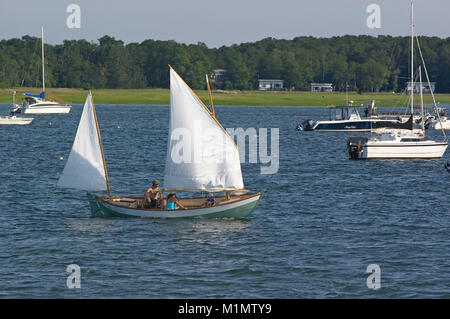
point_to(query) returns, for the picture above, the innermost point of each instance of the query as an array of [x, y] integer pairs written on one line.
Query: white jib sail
[[84, 168], [201, 156]]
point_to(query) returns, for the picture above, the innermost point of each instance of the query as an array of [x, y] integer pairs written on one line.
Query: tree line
[[362, 63]]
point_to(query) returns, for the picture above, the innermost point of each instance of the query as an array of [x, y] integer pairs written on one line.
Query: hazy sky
[[215, 22]]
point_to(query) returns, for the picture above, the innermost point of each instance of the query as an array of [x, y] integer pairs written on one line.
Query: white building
[[270, 85], [219, 75], [425, 87], [321, 87]]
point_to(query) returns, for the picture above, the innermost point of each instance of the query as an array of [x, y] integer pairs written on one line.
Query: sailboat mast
[[421, 100], [43, 68], [412, 57], [210, 97], [108, 187]]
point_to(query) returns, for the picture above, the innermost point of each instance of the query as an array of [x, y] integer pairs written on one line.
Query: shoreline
[[247, 98]]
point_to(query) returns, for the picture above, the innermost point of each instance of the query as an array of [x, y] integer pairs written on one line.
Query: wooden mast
[[108, 187], [210, 97]]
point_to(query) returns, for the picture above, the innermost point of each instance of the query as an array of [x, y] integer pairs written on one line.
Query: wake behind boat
[[214, 166]]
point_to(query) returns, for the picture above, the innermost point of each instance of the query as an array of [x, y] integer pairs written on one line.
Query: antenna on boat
[[412, 58], [108, 187], [429, 85], [210, 97], [43, 68]]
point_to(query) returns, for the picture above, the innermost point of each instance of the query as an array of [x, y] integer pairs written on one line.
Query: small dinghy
[[213, 164], [13, 119]]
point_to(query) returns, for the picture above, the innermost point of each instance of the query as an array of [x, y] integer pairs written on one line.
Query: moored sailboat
[[201, 157], [36, 103]]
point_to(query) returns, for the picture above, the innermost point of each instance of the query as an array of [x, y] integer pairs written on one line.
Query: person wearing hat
[[153, 197]]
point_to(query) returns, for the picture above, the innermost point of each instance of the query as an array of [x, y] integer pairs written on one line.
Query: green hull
[[240, 209]]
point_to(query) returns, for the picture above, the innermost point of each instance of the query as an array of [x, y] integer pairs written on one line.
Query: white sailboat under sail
[[36, 103], [201, 157]]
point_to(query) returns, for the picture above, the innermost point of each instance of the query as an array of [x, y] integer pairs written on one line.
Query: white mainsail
[[84, 168], [201, 156]]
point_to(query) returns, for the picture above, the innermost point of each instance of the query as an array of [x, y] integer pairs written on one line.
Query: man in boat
[[153, 197]]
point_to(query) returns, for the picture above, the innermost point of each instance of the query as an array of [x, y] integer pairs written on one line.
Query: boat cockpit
[[339, 113]]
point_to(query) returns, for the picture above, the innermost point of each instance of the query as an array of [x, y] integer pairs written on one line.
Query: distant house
[[425, 87], [321, 87], [270, 85], [219, 75]]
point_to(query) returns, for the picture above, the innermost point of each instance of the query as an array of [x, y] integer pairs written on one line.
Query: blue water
[[321, 221]]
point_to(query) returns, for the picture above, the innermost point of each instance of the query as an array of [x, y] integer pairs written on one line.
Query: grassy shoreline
[[251, 98]]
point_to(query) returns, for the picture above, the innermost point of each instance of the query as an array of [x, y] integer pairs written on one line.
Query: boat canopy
[[339, 113]]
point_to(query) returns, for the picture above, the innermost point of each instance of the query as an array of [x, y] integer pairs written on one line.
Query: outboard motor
[[428, 122], [16, 108], [299, 127], [308, 125], [355, 147]]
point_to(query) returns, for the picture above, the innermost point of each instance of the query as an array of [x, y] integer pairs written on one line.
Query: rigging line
[[431, 90]]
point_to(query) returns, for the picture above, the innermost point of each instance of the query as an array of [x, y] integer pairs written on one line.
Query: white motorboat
[[435, 123], [15, 120], [36, 104]]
